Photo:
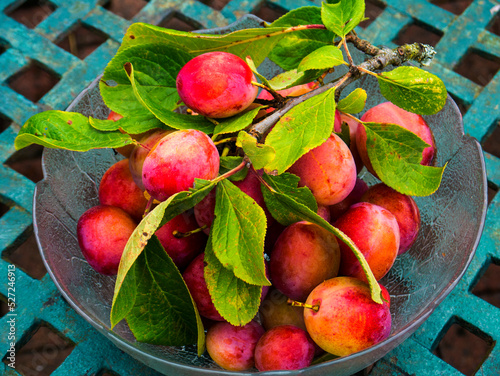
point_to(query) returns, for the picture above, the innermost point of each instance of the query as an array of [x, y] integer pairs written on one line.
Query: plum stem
[[349, 57], [277, 96], [294, 303], [242, 165], [148, 206], [179, 235]]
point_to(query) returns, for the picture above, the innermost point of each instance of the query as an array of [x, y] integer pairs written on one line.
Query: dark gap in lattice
[[4, 307], [492, 142], [27, 162], [453, 6], [31, 12], [125, 8], [82, 40], [3, 47], [478, 66], [268, 12], [462, 106], [42, 352], [27, 257], [492, 191], [3, 209], [33, 81], [4, 122], [373, 9], [488, 285], [418, 32], [495, 24], [215, 4], [178, 21], [464, 346]]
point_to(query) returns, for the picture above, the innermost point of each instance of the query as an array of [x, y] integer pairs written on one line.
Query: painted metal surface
[[39, 301]]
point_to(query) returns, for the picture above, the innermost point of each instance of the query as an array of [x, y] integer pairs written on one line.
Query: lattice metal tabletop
[[43, 42]]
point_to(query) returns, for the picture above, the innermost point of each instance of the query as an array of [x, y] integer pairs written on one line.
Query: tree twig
[[417, 52]]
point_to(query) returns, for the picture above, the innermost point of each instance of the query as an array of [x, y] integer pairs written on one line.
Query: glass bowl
[[452, 222]]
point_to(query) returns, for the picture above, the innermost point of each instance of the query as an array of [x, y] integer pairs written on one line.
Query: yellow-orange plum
[[328, 171]]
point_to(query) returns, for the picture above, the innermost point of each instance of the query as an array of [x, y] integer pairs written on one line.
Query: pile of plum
[[319, 299]]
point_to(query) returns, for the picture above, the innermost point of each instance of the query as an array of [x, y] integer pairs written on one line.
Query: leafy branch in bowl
[[265, 139]]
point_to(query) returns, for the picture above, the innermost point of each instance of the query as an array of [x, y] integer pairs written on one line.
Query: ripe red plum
[[324, 212], [403, 207], [184, 249], [195, 281], [304, 255], [284, 347], [139, 153], [347, 320], [216, 84], [103, 232], [233, 347], [117, 188], [176, 160], [204, 211], [375, 232]]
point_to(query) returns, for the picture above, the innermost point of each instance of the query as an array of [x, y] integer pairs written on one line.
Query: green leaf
[[156, 67], [343, 16], [163, 311], [237, 301], [413, 89], [289, 52], [354, 102], [238, 233], [323, 58], [287, 184], [293, 77], [136, 124], [168, 117], [67, 130], [228, 163], [290, 211], [395, 154], [252, 66], [236, 123], [162, 213], [301, 129], [259, 154], [256, 43]]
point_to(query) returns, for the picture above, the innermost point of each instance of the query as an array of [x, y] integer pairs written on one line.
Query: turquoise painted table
[[460, 38]]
